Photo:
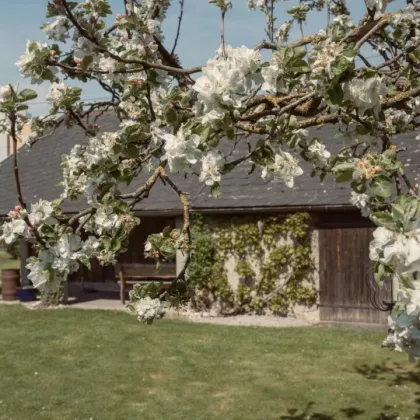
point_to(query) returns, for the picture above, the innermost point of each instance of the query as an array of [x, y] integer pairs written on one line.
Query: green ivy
[[265, 249]]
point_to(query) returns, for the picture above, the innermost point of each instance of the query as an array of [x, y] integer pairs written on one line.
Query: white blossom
[[10, 231], [382, 237], [226, 81], [56, 92], [148, 246], [148, 309], [282, 33], [360, 201], [181, 151], [42, 212], [365, 94], [32, 62], [37, 274], [272, 78], [325, 54], [58, 29], [318, 153], [5, 93], [378, 5], [285, 168], [105, 220], [401, 250], [108, 64], [344, 21], [211, 163]]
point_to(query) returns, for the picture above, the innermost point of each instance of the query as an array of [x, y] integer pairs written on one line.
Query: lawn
[[79, 365]]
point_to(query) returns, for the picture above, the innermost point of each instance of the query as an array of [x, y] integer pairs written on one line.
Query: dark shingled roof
[[40, 173]]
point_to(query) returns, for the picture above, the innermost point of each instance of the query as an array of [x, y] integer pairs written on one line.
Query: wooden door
[[344, 267]]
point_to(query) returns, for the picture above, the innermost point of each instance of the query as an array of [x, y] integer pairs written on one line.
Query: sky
[[200, 34]]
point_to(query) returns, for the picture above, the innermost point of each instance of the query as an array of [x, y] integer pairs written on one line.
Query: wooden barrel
[[9, 283]]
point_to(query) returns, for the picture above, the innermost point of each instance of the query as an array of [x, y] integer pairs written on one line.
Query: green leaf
[[132, 151], [343, 172], [22, 107], [384, 219], [358, 186], [215, 190], [335, 95], [379, 273], [230, 133], [300, 52], [361, 130], [204, 133], [300, 66], [87, 61], [166, 232], [340, 65], [286, 54], [405, 208], [27, 95], [382, 186], [171, 116]]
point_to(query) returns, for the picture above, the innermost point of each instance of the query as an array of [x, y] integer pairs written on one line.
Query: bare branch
[[144, 63], [178, 31], [13, 120], [222, 31]]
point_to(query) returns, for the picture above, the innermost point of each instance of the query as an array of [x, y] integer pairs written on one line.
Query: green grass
[[74, 364]]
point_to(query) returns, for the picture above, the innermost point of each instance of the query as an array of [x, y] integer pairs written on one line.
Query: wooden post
[[122, 286], [66, 292], [180, 256], [23, 254]]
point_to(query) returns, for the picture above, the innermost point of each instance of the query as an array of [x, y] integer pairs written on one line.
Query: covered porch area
[[114, 283]]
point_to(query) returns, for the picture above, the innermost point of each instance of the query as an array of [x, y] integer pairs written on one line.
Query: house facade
[[339, 235]]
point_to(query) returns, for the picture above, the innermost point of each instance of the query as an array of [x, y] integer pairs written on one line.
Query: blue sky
[[199, 39]]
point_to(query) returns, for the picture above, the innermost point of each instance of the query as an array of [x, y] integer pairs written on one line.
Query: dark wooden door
[[344, 267]]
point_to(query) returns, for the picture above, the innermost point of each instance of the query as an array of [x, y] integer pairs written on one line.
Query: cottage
[[339, 235]]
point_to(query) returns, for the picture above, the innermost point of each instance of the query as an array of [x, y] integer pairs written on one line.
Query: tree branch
[[145, 64], [178, 31]]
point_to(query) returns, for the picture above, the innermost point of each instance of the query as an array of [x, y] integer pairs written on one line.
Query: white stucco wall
[[3, 146], [180, 256], [312, 313], [301, 312]]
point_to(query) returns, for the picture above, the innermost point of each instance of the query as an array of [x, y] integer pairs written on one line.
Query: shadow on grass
[[392, 373], [395, 374], [309, 413]]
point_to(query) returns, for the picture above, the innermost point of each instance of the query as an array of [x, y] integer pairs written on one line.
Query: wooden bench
[[134, 273]]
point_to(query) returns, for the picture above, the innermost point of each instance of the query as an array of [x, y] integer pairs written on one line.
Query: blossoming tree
[[172, 119]]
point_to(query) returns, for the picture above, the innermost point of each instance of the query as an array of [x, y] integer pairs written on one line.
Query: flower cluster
[[365, 94], [226, 81], [404, 322], [58, 29], [181, 151], [148, 310], [325, 55], [212, 163], [361, 201], [165, 244], [22, 223], [318, 154], [33, 62], [398, 249], [55, 263], [284, 167]]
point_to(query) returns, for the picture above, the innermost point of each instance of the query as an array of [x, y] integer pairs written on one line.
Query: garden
[[78, 364]]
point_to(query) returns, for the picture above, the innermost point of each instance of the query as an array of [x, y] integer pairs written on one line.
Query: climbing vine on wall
[[272, 258]]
